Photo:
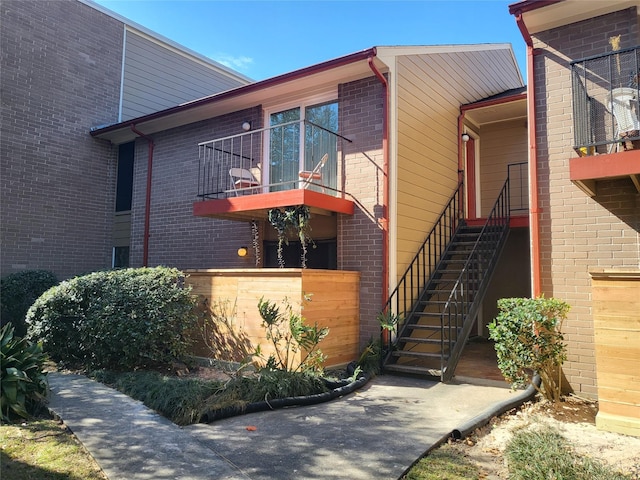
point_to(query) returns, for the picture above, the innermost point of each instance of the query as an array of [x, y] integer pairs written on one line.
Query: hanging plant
[[291, 219], [255, 240]]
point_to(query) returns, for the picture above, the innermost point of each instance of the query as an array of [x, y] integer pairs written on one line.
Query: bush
[[120, 319], [23, 384], [18, 291], [290, 336], [528, 339]]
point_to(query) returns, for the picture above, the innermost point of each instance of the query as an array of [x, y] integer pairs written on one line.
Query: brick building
[[583, 69], [69, 66], [389, 122]]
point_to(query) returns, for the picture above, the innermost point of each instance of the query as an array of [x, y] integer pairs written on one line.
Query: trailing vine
[[291, 219], [255, 239]]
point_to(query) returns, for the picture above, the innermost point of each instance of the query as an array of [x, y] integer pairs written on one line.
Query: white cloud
[[242, 63]]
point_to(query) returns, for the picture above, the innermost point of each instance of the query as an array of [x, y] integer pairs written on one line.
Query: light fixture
[[246, 126], [242, 252], [465, 137]]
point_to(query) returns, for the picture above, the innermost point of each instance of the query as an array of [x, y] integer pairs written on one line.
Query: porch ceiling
[[496, 110], [256, 207], [585, 172]]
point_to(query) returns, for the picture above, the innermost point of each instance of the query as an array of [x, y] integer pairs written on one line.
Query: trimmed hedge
[[119, 319], [18, 291]]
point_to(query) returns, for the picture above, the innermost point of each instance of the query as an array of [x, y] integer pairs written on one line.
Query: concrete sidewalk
[[374, 433]]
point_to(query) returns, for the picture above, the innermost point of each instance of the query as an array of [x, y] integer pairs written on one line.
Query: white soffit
[[572, 11]]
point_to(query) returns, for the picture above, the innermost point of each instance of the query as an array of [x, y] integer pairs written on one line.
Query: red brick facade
[[579, 233], [57, 182]]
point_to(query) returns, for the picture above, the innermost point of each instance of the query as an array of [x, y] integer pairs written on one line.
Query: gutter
[[242, 90], [384, 221], [147, 204], [534, 207]]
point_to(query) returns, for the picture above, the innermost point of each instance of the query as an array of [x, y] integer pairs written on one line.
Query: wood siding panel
[[334, 303], [500, 144], [427, 151], [157, 77], [122, 229]]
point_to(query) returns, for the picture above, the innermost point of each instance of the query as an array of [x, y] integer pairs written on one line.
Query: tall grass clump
[[541, 454]]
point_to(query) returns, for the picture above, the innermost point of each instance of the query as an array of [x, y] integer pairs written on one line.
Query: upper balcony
[[242, 177], [606, 118]]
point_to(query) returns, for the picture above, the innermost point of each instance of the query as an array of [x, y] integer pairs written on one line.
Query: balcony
[[241, 177], [606, 117]]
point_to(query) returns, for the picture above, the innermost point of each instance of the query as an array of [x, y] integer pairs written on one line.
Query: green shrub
[[18, 291], [289, 336], [119, 319], [23, 384], [528, 340]]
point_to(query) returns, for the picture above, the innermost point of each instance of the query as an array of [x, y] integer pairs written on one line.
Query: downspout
[[384, 221], [147, 204], [533, 160]]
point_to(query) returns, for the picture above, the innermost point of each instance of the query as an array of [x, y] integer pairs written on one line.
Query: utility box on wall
[[616, 316]]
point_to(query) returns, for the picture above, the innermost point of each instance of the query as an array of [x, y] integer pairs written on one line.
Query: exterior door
[[298, 138], [471, 178]]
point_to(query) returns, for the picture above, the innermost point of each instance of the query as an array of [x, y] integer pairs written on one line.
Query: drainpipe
[[147, 205], [384, 221], [533, 160]]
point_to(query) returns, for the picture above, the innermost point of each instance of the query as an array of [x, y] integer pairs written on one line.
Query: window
[[296, 146], [120, 257], [124, 177]]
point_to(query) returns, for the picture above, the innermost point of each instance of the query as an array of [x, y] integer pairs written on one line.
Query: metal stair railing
[[464, 301], [416, 277]]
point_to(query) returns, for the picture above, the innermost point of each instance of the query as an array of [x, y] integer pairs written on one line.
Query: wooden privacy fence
[[616, 316], [334, 304]]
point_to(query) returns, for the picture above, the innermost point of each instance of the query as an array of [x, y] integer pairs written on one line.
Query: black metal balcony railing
[[297, 154], [518, 176], [605, 102]]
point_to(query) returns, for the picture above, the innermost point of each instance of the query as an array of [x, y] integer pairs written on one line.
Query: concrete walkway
[[374, 433]]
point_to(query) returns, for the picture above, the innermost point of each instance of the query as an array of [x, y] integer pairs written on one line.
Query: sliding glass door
[[296, 146]]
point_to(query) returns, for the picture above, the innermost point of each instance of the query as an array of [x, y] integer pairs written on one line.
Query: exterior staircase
[[434, 323]]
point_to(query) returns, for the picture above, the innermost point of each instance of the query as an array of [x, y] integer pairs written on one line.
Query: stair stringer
[[461, 340]]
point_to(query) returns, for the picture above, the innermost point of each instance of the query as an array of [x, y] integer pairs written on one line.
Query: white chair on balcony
[[622, 107], [242, 179], [314, 176]]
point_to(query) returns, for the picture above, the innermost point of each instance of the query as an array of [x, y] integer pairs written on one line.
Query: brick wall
[[578, 233], [60, 75], [360, 236], [177, 237]]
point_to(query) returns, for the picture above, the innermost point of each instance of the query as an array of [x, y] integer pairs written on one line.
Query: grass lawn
[[43, 449]]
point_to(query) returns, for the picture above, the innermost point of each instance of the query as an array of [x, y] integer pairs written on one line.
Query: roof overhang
[[541, 15], [498, 109], [256, 207], [326, 74]]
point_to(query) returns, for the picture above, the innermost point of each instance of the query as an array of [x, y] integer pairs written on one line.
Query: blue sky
[[262, 38]]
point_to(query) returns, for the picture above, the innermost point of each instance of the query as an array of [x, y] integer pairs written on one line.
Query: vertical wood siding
[[500, 144]]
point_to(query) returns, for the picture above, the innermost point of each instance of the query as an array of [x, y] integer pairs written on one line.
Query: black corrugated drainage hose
[[286, 402], [483, 418], [497, 409]]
